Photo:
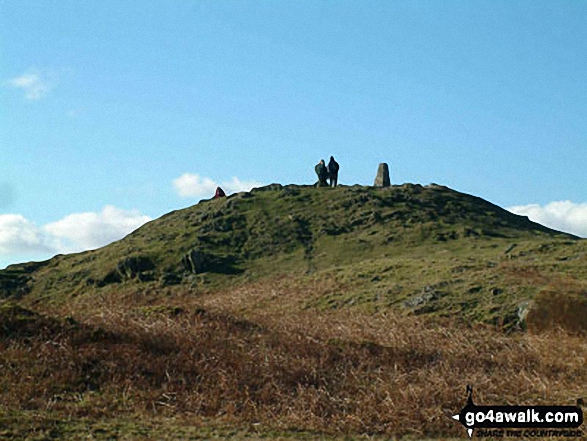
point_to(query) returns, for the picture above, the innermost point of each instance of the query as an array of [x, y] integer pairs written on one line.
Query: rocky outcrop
[[134, 267], [13, 284], [197, 261], [16, 280], [170, 279], [424, 302]]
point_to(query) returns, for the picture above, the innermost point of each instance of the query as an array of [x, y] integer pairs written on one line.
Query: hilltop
[[419, 250]]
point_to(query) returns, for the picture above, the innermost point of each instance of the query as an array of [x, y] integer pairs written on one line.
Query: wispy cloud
[[33, 84], [193, 185], [564, 216], [75, 232]]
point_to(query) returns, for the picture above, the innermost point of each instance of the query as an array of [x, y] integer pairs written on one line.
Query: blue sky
[[113, 113]]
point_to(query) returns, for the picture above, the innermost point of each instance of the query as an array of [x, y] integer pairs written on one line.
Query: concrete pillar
[[382, 179]]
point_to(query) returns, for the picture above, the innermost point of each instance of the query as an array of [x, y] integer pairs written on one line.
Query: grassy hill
[[409, 248], [295, 312]]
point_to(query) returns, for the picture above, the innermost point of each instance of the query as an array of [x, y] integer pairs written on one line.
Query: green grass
[[464, 257]]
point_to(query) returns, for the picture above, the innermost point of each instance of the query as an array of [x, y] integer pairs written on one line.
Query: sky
[[114, 113]]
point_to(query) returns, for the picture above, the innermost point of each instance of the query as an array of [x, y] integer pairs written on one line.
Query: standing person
[[333, 172], [322, 173]]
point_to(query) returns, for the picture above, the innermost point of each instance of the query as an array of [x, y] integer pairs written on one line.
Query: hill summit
[[422, 249]]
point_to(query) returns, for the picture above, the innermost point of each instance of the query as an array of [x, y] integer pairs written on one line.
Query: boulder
[[382, 179], [139, 267], [428, 293], [169, 279], [197, 262], [133, 266]]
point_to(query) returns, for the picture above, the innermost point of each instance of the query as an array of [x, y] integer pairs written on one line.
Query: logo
[[528, 421]]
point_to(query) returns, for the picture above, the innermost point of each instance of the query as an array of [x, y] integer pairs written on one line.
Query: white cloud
[[20, 236], [34, 86], [75, 232], [235, 185], [193, 185], [84, 231], [564, 216]]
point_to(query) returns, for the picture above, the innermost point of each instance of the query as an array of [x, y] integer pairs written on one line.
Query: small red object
[[219, 193]]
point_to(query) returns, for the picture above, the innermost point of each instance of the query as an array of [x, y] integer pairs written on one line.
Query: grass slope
[[343, 373], [295, 313]]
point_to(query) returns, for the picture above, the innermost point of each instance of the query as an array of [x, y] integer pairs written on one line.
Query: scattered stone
[[427, 294], [496, 291], [523, 309]]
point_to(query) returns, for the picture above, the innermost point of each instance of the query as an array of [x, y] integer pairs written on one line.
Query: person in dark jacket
[[322, 173], [219, 193], [333, 172]]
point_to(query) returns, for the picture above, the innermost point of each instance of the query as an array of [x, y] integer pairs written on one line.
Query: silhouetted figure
[[219, 193], [333, 172], [322, 173]]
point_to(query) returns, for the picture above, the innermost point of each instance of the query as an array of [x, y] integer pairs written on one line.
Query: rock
[[496, 291], [132, 267], [111, 277], [291, 190], [169, 279], [382, 179], [523, 309], [26, 268], [270, 187], [428, 293], [14, 284], [16, 279], [196, 262], [139, 267]]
